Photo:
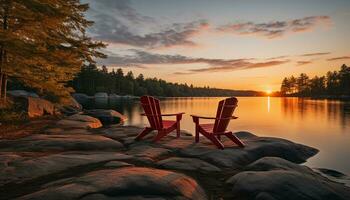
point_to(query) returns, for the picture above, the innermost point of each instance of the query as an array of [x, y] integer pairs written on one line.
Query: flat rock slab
[[256, 147], [117, 164], [61, 131], [106, 116], [16, 168], [121, 132], [78, 121], [124, 182], [189, 164], [107, 163], [273, 178], [75, 142], [153, 153]]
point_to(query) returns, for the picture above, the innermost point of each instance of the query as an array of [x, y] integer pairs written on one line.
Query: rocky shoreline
[[78, 158]]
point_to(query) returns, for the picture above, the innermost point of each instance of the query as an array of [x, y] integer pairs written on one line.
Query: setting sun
[[268, 91]]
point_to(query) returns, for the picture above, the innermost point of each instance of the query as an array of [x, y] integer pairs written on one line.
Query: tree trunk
[[1, 86], [1, 64], [3, 58], [4, 89]]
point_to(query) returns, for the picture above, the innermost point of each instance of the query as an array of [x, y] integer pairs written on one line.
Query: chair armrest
[[202, 117], [196, 118], [173, 114], [232, 117]]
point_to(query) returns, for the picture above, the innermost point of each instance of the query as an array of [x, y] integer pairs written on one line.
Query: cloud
[[115, 23], [140, 58], [278, 57], [315, 54], [276, 29], [114, 31], [121, 8], [300, 63], [339, 58], [183, 73], [240, 65]]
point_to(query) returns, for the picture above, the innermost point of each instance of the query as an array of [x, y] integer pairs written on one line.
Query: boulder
[[22, 93], [81, 98], [38, 107], [16, 168], [101, 99], [34, 106], [101, 95], [117, 164], [332, 173], [72, 124], [274, 178], [148, 151], [70, 107], [106, 116], [80, 121], [114, 96], [127, 183], [189, 164], [256, 147], [76, 142]]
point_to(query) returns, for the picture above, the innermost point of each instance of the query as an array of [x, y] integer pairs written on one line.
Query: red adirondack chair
[[152, 112], [222, 119]]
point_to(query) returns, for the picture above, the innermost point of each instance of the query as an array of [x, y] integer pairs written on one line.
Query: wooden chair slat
[[214, 131], [151, 106]]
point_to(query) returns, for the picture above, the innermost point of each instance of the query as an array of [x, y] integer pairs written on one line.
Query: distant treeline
[[336, 83], [92, 80]]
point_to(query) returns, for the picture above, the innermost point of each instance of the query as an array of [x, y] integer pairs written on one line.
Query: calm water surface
[[323, 124]]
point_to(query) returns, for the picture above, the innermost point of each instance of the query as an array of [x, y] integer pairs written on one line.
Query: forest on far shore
[[91, 80], [335, 84]]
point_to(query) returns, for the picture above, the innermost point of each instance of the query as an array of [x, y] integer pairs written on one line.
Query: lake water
[[323, 124]]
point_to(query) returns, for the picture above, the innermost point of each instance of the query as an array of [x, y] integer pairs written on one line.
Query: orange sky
[[225, 44]]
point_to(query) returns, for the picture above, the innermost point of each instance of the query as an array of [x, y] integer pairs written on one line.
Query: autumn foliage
[[43, 44]]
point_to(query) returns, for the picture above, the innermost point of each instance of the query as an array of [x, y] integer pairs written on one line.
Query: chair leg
[[213, 139], [143, 133], [216, 141], [178, 129], [159, 136], [234, 139], [197, 134]]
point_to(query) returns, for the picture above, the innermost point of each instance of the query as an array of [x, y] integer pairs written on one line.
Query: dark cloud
[[141, 58], [113, 30], [339, 58], [303, 62], [121, 8], [116, 21], [315, 54], [276, 29]]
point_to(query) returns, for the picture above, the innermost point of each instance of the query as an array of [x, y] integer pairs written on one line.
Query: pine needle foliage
[[43, 43]]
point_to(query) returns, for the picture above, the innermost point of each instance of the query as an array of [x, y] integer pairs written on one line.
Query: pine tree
[[43, 44]]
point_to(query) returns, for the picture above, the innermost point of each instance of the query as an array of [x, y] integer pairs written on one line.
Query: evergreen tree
[[43, 43], [302, 84], [335, 83]]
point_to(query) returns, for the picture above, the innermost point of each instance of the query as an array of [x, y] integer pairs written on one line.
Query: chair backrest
[[152, 110], [225, 110]]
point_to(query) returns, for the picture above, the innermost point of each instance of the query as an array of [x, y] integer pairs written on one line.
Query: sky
[[231, 44]]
